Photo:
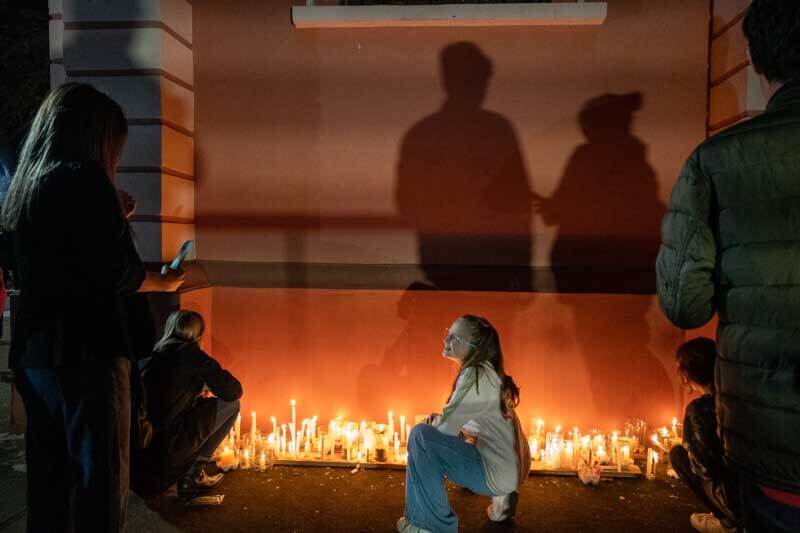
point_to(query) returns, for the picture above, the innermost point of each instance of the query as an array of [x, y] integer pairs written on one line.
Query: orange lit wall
[[303, 138], [584, 359]]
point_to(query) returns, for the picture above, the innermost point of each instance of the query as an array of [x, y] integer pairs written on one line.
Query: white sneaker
[[404, 526], [708, 523], [503, 507]]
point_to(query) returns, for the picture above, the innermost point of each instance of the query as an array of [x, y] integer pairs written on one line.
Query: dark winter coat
[[731, 245], [173, 379], [74, 260]]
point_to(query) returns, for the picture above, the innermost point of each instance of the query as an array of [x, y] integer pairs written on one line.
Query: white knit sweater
[[478, 408]]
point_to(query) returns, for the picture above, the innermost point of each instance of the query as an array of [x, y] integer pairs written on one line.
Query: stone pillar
[[140, 53], [734, 90]]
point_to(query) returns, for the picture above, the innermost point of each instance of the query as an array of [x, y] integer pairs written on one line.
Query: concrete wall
[[303, 136], [299, 132], [579, 359]]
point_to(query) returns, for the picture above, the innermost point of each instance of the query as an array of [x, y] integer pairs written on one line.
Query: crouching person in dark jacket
[[193, 403], [699, 460]]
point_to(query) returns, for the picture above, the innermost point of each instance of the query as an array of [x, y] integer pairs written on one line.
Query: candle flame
[[293, 402]]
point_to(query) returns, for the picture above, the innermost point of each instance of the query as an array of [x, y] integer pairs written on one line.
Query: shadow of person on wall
[[410, 364], [608, 214], [462, 185]]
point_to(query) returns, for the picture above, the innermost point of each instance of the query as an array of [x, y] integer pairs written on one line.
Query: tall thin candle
[[294, 421]]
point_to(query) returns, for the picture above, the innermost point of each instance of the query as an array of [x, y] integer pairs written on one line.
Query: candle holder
[[380, 455]]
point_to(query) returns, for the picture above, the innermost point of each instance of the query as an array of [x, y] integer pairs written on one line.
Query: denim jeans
[[761, 514], [719, 495], [226, 417], [77, 445], [432, 456]]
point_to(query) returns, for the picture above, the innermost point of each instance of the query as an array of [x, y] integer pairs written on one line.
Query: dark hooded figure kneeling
[[193, 403]]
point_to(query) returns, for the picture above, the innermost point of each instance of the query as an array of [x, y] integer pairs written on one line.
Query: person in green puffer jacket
[[731, 245]]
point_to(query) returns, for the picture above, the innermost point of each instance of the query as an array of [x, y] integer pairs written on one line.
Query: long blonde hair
[[182, 327], [486, 348], [75, 122]]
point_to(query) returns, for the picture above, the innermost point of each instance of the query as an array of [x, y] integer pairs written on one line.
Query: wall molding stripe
[[126, 25], [729, 25], [162, 218], [99, 73], [160, 122], [581, 280], [155, 170], [729, 74]]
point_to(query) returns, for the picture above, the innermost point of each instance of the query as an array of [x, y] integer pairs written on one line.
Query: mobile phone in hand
[[179, 258]]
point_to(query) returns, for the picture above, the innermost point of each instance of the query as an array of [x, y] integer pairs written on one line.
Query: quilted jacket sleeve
[[686, 262]]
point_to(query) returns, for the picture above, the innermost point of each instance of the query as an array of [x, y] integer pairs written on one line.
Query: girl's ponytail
[[509, 396]]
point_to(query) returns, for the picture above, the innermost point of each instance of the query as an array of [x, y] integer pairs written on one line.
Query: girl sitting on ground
[[476, 442], [698, 461]]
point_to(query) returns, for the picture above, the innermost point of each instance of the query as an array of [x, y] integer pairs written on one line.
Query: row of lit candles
[[558, 451], [353, 440]]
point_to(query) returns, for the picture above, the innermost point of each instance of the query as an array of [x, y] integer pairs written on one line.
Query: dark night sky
[[24, 62]]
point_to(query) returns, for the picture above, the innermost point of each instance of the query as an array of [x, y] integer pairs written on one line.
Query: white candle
[[262, 462], [253, 426], [297, 443], [675, 427], [391, 423], [274, 425], [568, 454], [534, 443], [238, 427], [650, 469], [294, 419], [614, 449], [601, 454], [408, 431], [232, 438], [245, 459], [403, 428], [626, 454], [283, 438], [226, 459], [556, 451], [539, 425]]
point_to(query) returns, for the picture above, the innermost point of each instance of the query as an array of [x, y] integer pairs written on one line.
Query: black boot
[[196, 482]]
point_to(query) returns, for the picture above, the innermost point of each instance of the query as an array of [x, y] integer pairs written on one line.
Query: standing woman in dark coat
[[74, 259], [193, 403]]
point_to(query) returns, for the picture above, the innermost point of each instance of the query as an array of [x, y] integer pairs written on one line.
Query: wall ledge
[[250, 275], [450, 15]]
